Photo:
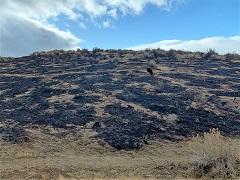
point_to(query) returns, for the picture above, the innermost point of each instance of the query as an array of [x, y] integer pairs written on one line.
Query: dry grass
[[81, 156], [214, 155]]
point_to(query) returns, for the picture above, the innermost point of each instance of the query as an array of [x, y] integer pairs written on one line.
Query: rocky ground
[[112, 95]]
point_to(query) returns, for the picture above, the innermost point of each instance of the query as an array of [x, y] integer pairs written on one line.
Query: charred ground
[[111, 93]]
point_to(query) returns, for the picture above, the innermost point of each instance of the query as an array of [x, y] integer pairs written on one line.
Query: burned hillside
[[113, 93]]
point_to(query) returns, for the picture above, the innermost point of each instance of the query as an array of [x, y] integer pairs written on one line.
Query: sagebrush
[[215, 156]]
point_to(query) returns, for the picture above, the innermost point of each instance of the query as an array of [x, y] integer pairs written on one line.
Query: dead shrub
[[214, 156], [210, 54], [172, 54]]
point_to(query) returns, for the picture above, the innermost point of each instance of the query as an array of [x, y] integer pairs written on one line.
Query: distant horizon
[[126, 49]]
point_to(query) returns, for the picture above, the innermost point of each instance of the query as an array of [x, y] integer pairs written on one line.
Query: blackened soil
[[59, 89]]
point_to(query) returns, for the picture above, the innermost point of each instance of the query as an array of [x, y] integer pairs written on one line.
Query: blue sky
[[194, 19], [35, 25]]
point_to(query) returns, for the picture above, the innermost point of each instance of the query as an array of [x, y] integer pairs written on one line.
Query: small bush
[[210, 53], [152, 63], [172, 54], [96, 50], [214, 155], [231, 56], [85, 50]]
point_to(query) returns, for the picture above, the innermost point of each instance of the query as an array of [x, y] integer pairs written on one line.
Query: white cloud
[[24, 24], [23, 36], [135, 6], [222, 45], [43, 9], [106, 24]]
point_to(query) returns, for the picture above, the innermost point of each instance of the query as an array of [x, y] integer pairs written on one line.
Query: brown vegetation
[[215, 156]]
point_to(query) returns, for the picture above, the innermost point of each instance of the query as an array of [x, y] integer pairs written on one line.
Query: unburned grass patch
[[214, 156]]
